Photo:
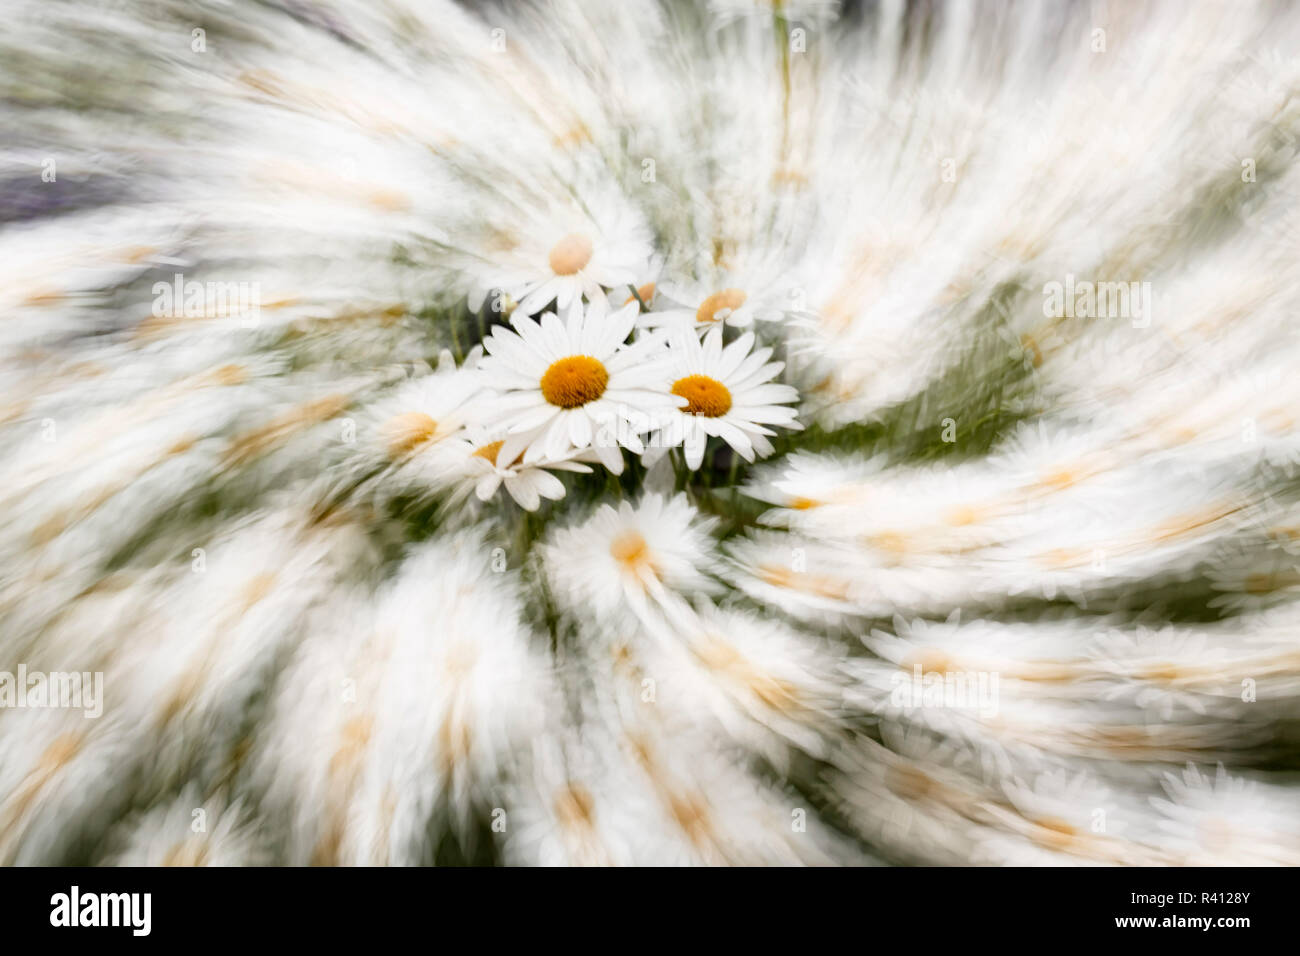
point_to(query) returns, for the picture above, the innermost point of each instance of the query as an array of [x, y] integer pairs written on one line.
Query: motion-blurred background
[[1023, 590]]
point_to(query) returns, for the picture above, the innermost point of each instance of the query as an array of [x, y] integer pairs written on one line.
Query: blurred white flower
[[562, 264], [190, 831], [624, 557], [701, 308], [1228, 821], [402, 426]]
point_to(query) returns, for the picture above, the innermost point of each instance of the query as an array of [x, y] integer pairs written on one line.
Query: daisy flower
[[620, 555], [564, 258], [424, 412], [758, 677], [728, 300], [484, 467], [166, 835], [1227, 820], [578, 384], [729, 394]]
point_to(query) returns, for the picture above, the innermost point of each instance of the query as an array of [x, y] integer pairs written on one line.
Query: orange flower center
[[571, 254], [645, 293], [574, 381], [629, 548], [704, 396], [728, 299], [407, 432], [490, 451]]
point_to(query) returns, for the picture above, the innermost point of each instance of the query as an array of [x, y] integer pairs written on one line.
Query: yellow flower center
[[574, 381], [931, 661], [629, 548], [571, 254], [491, 450], [729, 299], [965, 515], [704, 396], [407, 432], [645, 293]]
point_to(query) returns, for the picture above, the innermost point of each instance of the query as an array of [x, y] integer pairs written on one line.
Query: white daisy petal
[[487, 486], [611, 456], [523, 491], [694, 448], [579, 431], [548, 486]]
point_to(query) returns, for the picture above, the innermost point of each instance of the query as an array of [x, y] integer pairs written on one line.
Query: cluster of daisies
[[453, 554], [588, 380]]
